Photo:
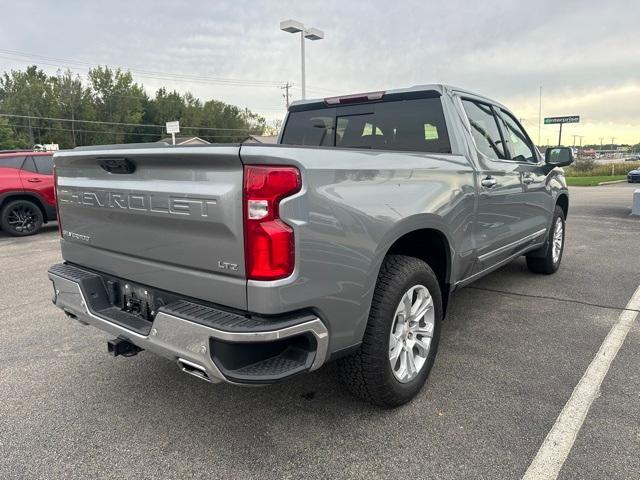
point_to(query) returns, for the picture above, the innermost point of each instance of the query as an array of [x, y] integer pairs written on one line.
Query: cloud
[[583, 53]]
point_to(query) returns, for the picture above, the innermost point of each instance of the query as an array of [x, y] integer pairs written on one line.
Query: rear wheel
[[21, 218], [547, 261], [401, 339]]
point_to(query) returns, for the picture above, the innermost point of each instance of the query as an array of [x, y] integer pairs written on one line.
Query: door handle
[[489, 182], [34, 180], [527, 180]]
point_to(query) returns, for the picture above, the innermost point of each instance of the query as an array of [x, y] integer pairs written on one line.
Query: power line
[[121, 123], [145, 72], [156, 75], [321, 89], [85, 131], [111, 131]]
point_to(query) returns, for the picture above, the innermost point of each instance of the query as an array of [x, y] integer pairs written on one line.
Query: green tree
[[29, 93], [73, 102], [117, 98], [165, 107], [60, 109], [8, 138]]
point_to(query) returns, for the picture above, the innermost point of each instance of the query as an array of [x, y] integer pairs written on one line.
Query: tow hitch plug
[[122, 346]]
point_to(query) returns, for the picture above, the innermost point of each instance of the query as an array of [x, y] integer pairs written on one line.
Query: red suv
[[27, 198]]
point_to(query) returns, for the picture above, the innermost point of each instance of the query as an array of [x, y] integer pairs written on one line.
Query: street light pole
[[539, 114], [304, 80], [293, 26]]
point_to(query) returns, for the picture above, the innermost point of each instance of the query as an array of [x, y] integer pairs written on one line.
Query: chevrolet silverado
[[252, 263]]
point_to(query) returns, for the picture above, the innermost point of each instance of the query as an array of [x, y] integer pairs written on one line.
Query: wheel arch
[[10, 197], [431, 245], [563, 202]]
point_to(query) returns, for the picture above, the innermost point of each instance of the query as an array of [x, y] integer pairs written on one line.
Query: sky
[[584, 54]]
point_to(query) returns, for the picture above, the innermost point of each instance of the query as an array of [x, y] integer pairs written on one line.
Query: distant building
[[261, 139], [185, 141]]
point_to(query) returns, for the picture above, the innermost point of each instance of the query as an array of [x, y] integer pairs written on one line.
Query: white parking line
[[556, 447]]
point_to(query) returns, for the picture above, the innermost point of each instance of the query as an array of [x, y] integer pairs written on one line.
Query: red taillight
[[55, 197], [268, 241]]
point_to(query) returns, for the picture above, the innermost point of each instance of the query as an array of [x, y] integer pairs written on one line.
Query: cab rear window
[[412, 125]]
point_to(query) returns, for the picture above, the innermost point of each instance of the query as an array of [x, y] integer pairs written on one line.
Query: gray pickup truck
[[251, 264]]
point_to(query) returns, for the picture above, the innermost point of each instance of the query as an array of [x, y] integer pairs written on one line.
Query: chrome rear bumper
[[177, 338]]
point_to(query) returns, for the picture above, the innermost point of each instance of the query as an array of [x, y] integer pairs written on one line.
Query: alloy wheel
[[558, 238], [411, 333], [22, 219]]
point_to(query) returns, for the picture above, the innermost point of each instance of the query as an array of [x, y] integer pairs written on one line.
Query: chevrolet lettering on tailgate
[[145, 202]]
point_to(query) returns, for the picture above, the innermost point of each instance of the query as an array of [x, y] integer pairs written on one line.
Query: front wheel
[[401, 339], [547, 260], [21, 218]]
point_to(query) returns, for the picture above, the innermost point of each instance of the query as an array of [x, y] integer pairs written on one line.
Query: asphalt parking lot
[[513, 348]]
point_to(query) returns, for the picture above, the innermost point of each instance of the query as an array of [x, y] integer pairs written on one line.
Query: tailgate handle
[[117, 165]]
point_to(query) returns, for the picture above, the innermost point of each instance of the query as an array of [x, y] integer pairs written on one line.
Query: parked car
[[634, 175], [253, 263], [27, 198]]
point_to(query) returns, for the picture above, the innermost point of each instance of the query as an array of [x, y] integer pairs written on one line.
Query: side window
[[518, 143], [484, 128], [29, 165], [44, 164], [11, 162]]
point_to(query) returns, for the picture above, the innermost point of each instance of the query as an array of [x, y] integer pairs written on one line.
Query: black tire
[[20, 218], [368, 372], [542, 261]]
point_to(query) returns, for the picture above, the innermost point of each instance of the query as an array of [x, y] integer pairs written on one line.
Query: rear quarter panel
[[9, 181], [353, 206]]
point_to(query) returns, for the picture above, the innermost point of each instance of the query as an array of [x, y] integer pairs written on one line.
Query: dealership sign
[[568, 119]]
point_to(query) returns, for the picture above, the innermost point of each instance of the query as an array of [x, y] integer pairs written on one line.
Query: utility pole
[[574, 139], [601, 138], [286, 88], [581, 137], [613, 139]]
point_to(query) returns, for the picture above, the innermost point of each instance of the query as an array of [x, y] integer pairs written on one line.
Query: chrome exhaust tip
[[193, 369]]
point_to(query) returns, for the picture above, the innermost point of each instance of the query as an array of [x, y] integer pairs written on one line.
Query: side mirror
[[558, 156]]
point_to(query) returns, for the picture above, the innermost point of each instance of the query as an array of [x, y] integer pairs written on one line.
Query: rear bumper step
[[206, 342]]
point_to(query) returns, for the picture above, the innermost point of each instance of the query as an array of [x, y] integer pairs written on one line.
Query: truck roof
[[439, 88]]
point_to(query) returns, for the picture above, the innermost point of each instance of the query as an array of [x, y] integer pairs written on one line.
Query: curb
[[611, 182]]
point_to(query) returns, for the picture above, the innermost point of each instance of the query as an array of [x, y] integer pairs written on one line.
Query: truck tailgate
[[167, 217]]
